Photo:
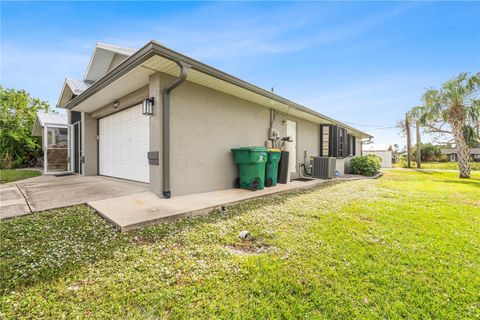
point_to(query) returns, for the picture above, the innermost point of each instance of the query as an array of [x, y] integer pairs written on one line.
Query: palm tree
[[454, 109]]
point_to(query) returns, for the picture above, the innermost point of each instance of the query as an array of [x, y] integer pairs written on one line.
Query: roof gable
[[104, 58], [71, 88]]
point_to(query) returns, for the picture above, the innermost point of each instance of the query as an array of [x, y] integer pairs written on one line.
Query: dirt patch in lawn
[[249, 247]]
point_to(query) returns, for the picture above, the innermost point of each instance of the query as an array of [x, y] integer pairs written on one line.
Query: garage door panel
[[124, 144]]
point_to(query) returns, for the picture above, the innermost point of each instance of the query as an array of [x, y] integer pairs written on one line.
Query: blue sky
[[364, 63]]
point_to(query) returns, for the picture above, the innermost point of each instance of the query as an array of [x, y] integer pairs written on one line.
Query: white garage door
[[124, 144]]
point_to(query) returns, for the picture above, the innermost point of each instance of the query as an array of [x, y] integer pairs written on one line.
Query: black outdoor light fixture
[[147, 107]]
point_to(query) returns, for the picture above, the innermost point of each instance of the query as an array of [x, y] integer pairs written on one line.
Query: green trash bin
[[271, 168], [251, 167]]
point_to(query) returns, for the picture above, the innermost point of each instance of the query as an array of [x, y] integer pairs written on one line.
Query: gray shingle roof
[[77, 86], [454, 150]]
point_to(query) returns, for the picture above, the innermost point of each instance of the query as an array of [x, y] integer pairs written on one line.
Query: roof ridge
[[114, 46]]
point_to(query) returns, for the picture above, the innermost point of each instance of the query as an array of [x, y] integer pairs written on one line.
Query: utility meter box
[[272, 134]]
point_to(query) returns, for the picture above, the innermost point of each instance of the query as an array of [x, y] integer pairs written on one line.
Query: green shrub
[[18, 148], [365, 165], [403, 161], [443, 158]]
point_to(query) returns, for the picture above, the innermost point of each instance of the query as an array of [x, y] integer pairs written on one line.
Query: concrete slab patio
[[143, 209], [49, 192]]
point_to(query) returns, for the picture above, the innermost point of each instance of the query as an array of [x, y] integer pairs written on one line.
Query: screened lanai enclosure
[[57, 143]]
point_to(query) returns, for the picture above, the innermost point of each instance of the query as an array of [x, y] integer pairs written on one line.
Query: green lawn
[[14, 175], [403, 246], [475, 166]]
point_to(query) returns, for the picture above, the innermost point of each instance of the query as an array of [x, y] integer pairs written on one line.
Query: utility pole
[[409, 147], [419, 143]]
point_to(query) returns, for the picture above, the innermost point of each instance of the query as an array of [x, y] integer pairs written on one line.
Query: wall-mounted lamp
[[115, 104], [147, 107]]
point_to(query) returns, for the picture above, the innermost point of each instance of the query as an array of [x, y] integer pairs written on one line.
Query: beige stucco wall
[[157, 83], [89, 145], [205, 125]]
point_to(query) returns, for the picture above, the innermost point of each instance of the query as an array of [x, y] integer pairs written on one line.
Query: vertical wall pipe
[[166, 127]]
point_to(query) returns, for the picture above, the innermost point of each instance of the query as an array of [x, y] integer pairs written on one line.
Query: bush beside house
[[18, 148], [365, 165]]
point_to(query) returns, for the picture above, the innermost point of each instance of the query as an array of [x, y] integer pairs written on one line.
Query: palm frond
[[472, 112]]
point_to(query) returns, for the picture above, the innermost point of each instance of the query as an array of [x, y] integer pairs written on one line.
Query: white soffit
[[133, 80], [99, 64]]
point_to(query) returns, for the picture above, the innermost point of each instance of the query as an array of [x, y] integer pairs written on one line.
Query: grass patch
[[474, 166], [403, 246], [10, 175]]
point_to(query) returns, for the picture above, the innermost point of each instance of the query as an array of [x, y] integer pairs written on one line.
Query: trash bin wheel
[[268, 182], [255, 184], [237, 183]]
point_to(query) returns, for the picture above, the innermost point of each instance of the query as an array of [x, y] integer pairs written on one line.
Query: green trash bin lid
[[258, 149], [274, 150]]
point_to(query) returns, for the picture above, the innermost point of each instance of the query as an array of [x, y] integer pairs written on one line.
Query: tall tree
[[454, 109], [409, 139], [17, 115], [419, 144]]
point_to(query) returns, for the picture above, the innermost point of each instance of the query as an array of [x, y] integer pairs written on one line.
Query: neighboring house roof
[[108, 69], [43, 118], [377, 147], [475, 150]]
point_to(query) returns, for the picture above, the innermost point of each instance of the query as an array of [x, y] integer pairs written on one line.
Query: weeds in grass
[[403, 246]]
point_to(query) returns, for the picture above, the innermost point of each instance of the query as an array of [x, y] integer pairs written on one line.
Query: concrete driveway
[[49, 192]]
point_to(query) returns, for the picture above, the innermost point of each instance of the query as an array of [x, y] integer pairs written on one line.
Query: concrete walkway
[[12, 202], [49, 192], [143, 209], [127, 204]]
